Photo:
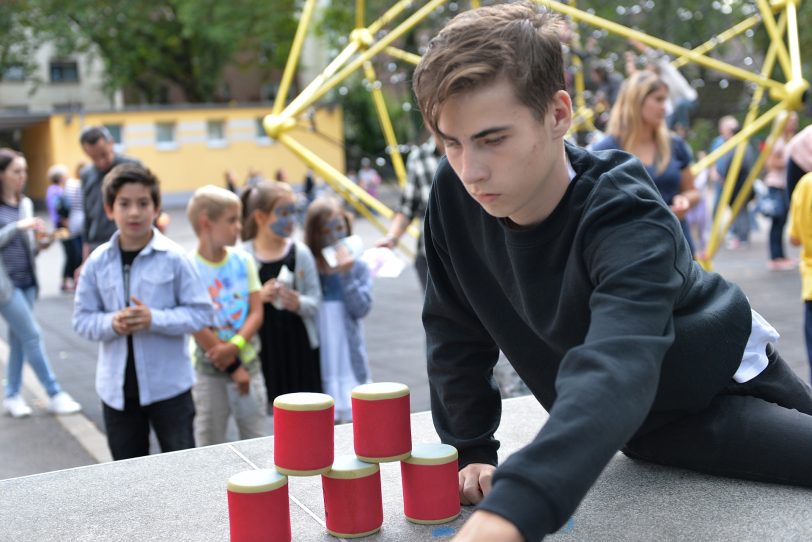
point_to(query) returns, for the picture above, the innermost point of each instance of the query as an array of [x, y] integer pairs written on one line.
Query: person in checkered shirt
[[420, 167]]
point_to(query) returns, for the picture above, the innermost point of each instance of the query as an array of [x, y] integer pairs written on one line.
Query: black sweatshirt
[[601, 310]]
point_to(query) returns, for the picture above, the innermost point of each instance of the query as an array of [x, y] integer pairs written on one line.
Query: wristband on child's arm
[[238, 341], [234, 366]]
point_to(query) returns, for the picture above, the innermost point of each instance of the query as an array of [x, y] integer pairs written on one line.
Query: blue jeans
[[777, 228], [25, 342]]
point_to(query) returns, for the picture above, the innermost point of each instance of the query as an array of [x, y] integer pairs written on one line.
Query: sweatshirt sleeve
[[605, 386], [465, 402], [356, 285], [307, 282]]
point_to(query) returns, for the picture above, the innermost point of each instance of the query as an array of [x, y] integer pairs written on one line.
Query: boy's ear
[[561, 108], [108, 211]]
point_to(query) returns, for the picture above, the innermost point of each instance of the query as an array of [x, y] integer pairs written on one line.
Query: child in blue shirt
[[347, 298], [229, 376], [139, 296]]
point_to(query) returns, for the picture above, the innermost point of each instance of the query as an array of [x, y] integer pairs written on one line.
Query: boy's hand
[[290, 299], [475, 482], [120, 325], [242, 379], [222, 355], [139, 317], [487, 526]]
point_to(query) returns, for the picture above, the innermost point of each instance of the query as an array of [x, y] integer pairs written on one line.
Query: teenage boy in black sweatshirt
[[571, 263]]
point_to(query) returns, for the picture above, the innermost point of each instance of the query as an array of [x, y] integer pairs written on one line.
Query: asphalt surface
[[394, 336]]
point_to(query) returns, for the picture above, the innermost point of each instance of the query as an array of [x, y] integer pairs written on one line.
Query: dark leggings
[[73, 256], [760, 430]]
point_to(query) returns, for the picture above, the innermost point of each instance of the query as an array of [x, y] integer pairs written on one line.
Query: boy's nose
[[471, 170]]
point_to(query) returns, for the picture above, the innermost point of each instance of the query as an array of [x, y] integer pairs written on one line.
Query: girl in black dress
[[291, 292]]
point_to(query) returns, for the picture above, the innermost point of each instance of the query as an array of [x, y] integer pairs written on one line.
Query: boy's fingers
[[136, 301]]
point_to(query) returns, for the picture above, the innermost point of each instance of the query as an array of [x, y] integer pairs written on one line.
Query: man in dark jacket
[[572, 265], [98, 145]]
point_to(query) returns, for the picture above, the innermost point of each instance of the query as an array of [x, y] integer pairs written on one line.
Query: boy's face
[[509, 161], [133, 212], [225, 231]]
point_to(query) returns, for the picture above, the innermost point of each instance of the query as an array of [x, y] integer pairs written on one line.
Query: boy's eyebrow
[[488, 131], [479, 135]]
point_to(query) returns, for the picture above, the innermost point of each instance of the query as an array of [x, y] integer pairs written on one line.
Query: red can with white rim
[[430, 484], [353, 504], [303, 433], [381, 422], [258, 507]]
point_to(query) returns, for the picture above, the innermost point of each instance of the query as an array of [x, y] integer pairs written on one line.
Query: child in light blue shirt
[[139, 296]]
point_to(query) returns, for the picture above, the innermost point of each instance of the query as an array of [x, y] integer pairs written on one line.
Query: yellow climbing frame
[[778, 17]]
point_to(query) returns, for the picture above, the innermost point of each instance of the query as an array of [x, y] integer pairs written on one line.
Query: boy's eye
[[494, 140]]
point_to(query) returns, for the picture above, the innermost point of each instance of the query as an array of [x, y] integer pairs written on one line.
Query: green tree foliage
[[145, 45], [17, 41]]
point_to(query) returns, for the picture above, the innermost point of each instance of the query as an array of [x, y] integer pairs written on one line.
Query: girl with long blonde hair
[[637, 125]]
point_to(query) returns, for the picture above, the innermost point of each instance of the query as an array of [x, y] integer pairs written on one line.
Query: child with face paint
[[289, 333], [347, 293]]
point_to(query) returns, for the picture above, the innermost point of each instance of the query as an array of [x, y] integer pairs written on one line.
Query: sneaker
[[16, 406], [782, 264], [63, 403]]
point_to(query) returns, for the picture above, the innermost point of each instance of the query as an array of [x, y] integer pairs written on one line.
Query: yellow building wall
[[193, 160], [39, 153]]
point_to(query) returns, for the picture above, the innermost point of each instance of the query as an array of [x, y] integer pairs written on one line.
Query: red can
[[430, 484], [258, 507], [381, 422], [353, 505], [303, 433]]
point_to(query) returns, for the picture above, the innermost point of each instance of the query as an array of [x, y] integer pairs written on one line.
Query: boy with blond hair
[[139, 296], [229, 379], [571, 264]]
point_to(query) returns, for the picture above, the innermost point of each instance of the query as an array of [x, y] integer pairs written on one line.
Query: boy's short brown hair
[[210, 201], [517, 41], [130, 173]]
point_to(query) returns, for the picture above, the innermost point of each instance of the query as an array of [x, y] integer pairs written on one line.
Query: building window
[[115, 132], [262, 135], [64, 72], [15, 72], [165, 135], [67, 107], [216, 133]]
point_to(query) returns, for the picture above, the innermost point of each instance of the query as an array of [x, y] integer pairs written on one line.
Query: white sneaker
[[63, 403], [16, 406]]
